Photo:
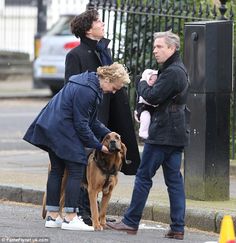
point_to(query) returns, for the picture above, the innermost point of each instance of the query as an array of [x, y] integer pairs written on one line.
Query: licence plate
[[48, 69]]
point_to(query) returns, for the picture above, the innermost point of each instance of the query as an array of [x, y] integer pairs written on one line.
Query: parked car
[[49, 66]]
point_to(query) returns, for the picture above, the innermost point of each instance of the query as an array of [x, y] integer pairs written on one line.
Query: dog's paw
[[98, 228], [105, 227]]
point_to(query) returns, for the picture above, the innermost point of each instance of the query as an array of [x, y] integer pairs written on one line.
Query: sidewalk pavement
[[24, 180]]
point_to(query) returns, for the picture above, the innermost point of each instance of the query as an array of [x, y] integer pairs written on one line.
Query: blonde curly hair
[[116, 72]]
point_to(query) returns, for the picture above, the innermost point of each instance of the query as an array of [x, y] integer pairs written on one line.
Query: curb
[[199, 219], [18, 194], [25, 96]]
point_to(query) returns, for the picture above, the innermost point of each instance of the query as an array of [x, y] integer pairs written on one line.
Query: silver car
[[49, 66]]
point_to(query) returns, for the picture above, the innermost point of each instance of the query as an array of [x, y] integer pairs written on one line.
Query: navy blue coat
[[68, 123]]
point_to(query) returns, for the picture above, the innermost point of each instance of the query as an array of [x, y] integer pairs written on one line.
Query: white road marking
[[155, 227]]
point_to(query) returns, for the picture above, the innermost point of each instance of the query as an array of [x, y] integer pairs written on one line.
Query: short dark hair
[[81, 23]]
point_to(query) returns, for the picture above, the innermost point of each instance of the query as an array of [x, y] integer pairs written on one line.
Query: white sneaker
[[53, 223], [76, 223]]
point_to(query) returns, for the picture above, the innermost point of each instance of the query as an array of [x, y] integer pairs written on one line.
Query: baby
[[144, 109]]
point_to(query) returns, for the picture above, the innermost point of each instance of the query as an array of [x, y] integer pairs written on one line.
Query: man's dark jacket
[[114, 110], [169, 122]]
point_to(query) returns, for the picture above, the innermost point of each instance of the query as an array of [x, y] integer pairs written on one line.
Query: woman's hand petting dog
[[105, 149]]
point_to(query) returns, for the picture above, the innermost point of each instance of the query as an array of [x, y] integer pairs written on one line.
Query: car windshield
[[61, 27]]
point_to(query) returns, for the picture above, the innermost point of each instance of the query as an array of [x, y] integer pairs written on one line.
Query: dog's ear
[[123, 151]]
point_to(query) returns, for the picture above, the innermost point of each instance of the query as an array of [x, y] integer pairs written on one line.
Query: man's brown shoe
[[120, 226], [174, 235]]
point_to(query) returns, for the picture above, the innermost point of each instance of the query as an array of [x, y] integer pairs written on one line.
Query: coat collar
[[89, 79], [174, 58], [89, 42], [93, 43]]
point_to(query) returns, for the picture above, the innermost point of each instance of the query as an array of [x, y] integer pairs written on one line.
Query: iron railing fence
[[130, 25]]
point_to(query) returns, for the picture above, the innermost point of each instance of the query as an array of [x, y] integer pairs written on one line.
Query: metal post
[[42, 16], [207, 45], [223, 9], [90, 5], [41, 25]]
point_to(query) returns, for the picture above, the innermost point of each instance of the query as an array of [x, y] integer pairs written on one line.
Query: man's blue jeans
[[153, 157]]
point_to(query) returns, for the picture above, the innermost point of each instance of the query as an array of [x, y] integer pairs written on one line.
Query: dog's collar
[[107, 172], [101, 165]]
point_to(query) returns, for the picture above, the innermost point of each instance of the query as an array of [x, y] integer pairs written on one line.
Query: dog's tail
[[44, 211]]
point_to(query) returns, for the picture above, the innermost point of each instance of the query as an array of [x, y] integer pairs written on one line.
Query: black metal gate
[[131, 24]]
